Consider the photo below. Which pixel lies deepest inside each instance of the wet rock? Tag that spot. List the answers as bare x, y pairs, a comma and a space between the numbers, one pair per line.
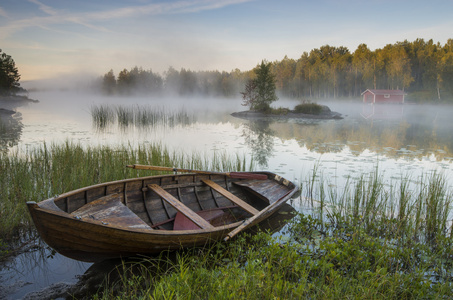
93, 279
53, 291
11, 289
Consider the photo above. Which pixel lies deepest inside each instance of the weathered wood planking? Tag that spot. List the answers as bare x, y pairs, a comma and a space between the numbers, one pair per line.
202, 223
110, 210
91, 224
265, 189
231, 197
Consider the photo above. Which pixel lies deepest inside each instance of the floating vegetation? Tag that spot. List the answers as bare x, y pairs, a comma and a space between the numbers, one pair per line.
141, 116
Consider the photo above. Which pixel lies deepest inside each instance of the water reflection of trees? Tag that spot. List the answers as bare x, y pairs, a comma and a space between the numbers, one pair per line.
259, 137
414, 136
10, 129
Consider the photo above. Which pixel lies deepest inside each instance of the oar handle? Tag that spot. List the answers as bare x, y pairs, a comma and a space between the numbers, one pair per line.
241, 175
154, 168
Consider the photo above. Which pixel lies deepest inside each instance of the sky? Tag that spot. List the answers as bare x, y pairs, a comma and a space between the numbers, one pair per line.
54, 38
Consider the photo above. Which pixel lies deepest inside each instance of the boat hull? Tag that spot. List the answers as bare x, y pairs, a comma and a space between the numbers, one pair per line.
88, 239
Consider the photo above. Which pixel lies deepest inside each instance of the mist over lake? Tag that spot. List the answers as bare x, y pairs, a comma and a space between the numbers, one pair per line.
400, 140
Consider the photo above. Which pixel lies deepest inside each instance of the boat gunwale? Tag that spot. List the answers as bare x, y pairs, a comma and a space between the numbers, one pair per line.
135, 230
98, 185
274, 177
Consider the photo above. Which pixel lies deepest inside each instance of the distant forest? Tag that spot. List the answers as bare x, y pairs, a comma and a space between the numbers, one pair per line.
423, 69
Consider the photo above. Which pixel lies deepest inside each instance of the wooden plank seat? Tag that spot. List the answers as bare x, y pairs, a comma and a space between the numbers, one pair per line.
180, 207
241, 203
264, 189
111, 211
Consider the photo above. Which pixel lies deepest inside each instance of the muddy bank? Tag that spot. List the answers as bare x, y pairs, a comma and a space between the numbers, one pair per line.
325, 114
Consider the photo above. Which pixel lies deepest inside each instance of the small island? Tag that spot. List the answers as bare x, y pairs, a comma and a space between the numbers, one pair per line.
260, 93
302, 111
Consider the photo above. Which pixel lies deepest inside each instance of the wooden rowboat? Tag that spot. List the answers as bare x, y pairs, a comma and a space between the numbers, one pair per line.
148, 215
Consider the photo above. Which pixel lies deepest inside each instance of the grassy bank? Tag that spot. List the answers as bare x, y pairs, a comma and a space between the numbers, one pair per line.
368, 241
50, 170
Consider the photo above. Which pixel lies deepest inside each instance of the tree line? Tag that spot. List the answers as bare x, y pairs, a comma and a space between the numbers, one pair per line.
184, 82
423, 69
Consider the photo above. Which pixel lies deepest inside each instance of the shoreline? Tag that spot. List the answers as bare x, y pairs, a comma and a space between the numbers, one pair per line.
10, 103
16, 99
256, 115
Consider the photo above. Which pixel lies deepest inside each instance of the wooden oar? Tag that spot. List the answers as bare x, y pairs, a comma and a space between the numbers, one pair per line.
242, 175
250, 220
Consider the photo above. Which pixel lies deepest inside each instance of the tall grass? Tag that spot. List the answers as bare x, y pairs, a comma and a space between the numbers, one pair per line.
419, 211
141, 116
45, 171
367, 240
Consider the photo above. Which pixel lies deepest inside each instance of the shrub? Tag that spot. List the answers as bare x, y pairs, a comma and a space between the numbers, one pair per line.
277, 111
308, 108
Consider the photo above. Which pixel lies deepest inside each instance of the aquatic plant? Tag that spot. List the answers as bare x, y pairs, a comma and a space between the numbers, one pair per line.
101, 115
141, 116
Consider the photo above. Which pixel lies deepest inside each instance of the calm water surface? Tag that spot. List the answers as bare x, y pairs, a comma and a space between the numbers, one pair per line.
400, 141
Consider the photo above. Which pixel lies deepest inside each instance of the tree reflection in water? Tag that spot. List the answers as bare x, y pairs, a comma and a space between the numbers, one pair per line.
10, 129
259, 137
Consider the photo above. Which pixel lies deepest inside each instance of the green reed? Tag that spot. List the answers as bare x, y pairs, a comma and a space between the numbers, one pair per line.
141, 116
49, 170
102, 116
403, 210
124, 115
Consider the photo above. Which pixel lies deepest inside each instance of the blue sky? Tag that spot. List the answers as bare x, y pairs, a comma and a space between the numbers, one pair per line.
49, 38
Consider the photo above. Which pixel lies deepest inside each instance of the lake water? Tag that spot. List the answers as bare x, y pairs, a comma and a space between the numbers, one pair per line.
400, 141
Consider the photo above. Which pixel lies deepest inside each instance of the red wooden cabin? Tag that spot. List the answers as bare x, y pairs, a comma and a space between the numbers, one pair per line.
383, 96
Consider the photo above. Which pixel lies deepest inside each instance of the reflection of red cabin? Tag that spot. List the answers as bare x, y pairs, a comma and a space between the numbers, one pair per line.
383, 96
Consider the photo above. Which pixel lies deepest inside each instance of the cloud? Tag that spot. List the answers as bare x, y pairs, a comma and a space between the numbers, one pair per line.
46, 9
86, 18
4, 14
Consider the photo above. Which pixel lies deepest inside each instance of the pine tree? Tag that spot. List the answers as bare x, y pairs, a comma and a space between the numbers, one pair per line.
9, 75
109, 82
260, 92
